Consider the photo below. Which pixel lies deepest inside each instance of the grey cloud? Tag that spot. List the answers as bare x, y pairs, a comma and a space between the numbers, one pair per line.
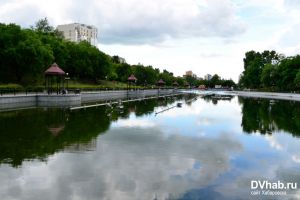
132, 163
216, 20
141, 21
292, 3
22, 15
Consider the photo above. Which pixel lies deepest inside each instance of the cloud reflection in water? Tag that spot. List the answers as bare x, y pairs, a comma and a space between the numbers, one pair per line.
126, 165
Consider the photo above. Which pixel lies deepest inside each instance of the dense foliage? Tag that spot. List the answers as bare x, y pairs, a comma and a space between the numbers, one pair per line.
217, 80
270, 70
26, 53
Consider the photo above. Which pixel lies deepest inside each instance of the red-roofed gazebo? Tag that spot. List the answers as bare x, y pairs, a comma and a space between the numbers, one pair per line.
132, 78
54, 69
175, 84
131, 81
54, 74
160, 83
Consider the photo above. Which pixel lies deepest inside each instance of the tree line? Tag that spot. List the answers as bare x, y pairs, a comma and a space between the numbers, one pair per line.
269, 70
26, 53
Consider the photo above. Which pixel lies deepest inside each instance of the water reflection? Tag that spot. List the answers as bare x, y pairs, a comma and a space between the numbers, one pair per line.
131, 163
197, 151
38, 133
267, 116
214, 98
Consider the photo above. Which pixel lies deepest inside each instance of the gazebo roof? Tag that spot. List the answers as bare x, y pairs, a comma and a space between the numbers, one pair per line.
54, 70
132, 78
160, 82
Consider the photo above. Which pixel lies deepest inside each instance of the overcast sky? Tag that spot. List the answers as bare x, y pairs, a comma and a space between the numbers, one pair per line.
205, 36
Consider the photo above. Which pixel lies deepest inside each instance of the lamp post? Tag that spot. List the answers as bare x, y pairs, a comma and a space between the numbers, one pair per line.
67, 80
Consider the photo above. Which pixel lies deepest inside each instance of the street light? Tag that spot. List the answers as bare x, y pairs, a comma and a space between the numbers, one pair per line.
67, 78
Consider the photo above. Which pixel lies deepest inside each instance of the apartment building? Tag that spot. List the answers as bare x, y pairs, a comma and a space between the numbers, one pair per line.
207, 77
77, 32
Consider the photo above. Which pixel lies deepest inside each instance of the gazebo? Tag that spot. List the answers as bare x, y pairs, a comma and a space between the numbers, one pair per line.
54, 74
175, 84
131, 81
160, 83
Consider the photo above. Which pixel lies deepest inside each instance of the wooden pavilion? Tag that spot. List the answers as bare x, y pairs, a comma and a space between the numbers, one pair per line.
54, 79
131, 81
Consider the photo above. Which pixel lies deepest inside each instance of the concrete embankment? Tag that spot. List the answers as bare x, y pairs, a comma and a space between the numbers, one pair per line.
269, 95
68, 100
36, 100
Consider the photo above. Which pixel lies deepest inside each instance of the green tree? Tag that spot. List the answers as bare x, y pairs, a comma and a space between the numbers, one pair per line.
167, 77
287, 70
123, 71
10, 36
269, 75
23, 56
297, 79
254, 63
32, 57
145, 75
215, 80
43, 25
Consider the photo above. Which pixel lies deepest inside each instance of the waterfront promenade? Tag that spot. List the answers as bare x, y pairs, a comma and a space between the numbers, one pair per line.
268, 95
70, 100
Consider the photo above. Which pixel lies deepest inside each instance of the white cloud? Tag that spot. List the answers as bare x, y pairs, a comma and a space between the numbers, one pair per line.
289, 40
296, 158
136, 21
285, 142
273, 142
206, 36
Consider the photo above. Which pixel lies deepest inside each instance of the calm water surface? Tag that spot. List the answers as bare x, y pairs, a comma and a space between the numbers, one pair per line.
210, 148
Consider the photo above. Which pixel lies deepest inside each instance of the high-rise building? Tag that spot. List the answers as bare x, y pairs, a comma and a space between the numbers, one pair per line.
76, 32
207, 77
190, 73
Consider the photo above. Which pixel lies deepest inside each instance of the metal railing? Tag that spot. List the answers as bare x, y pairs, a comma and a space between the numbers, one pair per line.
35, 91
17, 91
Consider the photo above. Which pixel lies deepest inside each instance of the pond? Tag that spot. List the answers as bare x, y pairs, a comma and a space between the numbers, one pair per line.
212, 147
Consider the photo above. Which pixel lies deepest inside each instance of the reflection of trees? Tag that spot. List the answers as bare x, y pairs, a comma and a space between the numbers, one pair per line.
267, 116
140, 108
144, 107
189, 99
38, 133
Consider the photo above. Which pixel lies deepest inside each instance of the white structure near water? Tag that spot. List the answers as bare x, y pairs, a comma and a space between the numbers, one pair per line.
77, 32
